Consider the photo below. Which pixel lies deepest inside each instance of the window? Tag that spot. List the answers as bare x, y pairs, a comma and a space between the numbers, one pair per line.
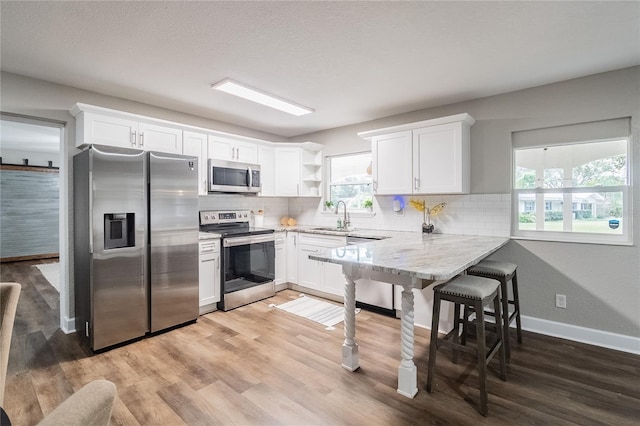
349, 178
575, 192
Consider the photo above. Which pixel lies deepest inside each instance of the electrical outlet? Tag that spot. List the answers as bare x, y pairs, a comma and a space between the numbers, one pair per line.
561, 301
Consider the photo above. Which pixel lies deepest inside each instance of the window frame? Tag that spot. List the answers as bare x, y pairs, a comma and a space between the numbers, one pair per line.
625, 238
329, 183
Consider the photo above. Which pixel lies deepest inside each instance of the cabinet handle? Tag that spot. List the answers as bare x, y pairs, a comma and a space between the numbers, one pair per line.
375, 185
416, 183
295, 243
297, 189
237, 153
218, 263
141, 138
133, 138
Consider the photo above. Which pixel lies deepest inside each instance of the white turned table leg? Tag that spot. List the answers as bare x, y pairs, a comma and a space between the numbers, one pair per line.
350, 359
407, 371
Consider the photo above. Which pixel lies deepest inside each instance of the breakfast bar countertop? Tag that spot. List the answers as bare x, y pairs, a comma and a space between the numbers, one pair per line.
413, 261
433, 257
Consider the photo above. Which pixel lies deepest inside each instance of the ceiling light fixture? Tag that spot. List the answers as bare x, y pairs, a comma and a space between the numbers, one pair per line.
238, 89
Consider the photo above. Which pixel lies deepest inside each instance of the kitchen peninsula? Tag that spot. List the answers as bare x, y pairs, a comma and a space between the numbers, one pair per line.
412, 261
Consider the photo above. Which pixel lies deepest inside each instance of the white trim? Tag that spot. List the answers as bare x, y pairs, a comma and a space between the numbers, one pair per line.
591, 336
605, 339
68, 325
464, 117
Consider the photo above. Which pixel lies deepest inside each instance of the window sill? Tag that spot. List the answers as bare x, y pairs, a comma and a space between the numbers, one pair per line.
357, 213
569, 240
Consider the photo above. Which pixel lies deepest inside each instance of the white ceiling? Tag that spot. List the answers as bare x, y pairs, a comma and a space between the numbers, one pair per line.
350, 61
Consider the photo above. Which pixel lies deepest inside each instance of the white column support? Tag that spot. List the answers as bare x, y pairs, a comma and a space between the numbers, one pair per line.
407, 371
350, 359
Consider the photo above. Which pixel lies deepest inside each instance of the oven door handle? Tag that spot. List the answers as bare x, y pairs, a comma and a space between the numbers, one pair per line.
250, 239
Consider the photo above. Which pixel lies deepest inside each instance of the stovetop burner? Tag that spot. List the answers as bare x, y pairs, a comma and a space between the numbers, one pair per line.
229, 223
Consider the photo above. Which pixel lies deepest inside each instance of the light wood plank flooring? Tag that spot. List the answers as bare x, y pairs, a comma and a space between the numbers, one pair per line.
257, 365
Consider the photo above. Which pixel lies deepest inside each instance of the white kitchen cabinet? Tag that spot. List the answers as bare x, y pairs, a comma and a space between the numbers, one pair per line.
228, 149
310, 172
209, 275
287, 178
281, 258
267, 161
316, 275
392, 163
153, 137
427, 157
298, 170
196, 144
292, 257
441, 159
93, 128
104, 130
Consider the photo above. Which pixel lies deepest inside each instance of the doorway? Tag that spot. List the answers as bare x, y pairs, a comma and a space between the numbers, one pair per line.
33, 205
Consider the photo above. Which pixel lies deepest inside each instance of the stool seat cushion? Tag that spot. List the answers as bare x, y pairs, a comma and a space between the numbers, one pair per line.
493, 267
476, 288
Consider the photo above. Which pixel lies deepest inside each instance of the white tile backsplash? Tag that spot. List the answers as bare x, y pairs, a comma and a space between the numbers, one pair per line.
474, 214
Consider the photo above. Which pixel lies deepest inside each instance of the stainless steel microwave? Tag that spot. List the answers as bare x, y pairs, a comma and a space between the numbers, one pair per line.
231, 176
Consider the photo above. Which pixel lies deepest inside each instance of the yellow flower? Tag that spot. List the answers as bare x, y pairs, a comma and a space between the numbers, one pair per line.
421, 206
418, 205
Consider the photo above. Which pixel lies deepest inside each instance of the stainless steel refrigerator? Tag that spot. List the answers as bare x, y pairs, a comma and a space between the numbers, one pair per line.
135, 243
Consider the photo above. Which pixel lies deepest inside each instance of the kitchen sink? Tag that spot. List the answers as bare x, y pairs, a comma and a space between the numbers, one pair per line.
333, 229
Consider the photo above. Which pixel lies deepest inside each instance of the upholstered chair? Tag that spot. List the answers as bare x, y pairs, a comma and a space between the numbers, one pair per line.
90, 406
9, 295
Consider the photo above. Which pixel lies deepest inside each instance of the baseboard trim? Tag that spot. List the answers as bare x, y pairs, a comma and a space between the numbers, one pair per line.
68, 325
619, 342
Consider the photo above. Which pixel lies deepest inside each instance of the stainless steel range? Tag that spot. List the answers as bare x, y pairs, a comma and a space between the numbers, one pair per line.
247, 258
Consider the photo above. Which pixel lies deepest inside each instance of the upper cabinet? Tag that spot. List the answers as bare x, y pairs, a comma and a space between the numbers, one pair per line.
97, 126
427, 157
299, 170
267, 161
221, 148
287, 169
195, 143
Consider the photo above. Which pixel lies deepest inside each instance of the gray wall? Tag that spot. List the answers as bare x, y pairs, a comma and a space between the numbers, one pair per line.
602, 282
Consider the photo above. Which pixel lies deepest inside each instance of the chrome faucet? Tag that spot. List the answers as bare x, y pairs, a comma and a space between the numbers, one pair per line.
345, 222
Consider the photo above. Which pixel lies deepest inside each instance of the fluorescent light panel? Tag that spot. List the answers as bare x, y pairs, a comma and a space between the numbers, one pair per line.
249, 93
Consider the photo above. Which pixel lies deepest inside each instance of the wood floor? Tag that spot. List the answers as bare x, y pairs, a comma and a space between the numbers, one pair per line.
258, 365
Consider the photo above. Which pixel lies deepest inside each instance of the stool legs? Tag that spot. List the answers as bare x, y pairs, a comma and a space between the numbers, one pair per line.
516, 302
504, 297
483, 358
433, 343
482, 361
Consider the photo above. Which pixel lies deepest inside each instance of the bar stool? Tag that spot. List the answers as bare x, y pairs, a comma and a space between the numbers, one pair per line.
503, 272
476, 292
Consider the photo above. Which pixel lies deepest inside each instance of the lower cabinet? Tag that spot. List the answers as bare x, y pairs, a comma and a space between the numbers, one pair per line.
209, 275
316, 275
292, 257
281, 258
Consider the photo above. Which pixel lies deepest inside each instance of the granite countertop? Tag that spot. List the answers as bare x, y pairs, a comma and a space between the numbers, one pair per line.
351, 232
435, 257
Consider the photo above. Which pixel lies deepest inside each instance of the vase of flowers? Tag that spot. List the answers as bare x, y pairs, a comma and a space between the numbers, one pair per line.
427, 212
